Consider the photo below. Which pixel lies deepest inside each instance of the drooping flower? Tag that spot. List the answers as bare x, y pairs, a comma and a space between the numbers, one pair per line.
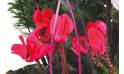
64, 27
96, 32
31, 49
82, 41
42, 20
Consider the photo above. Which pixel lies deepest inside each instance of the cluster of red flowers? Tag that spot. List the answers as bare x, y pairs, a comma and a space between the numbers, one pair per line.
38, 43
95, 37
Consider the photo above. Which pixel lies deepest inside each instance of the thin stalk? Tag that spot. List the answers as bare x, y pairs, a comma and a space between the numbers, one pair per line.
52, 39
59, 60
64, 63
77, 36
21, 31
87, 41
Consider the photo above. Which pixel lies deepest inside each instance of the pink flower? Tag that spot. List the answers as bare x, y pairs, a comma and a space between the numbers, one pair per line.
42, 20
96, 32
31, 50
82, 42
64, 27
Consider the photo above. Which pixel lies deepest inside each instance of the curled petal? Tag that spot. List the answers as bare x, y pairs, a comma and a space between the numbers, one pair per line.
97, 37
48, 14
64, 27
66, 20
38, 18
43, 50
32, 39
19, 50
22, 39
101, 26
82, 42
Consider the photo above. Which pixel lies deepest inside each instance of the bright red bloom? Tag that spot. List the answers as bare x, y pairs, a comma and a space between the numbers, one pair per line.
43, 35
82, 41
96, 32
42, 18
64, 27
31, 50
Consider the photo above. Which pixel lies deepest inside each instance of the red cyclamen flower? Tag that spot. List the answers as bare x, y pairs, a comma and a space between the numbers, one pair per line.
64, 27
82, 41
42, 20
96, 32
31, 50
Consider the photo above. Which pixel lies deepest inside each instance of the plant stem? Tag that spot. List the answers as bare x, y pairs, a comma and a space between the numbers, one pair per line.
52, 39
64, 64
77, 36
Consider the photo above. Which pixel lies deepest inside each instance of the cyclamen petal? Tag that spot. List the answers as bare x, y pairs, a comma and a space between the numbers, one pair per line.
82, 42
42, 18
48, 14
38, 18
32, 49
44, 50
43, 23
97, 37
22, 39
19, 50
33, 39
101, 26
64, 27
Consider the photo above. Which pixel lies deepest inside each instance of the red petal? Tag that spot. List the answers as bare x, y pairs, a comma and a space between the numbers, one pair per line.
44, 50
68, 23
101, 27
96, 40
32, 39
82, 42
52, 26
38, 18
48, 14
22, 39
19, 50
64, 27
90, 24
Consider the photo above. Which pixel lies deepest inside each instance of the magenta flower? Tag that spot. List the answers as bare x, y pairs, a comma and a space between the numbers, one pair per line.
42, 18
82, 42
31, 50
96, 32
64, 27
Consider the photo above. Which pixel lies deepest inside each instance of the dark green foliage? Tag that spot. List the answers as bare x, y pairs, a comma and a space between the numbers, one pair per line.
24, 9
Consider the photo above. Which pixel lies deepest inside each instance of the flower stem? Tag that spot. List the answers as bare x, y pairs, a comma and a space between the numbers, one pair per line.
77, 36
64, 64
52, 39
